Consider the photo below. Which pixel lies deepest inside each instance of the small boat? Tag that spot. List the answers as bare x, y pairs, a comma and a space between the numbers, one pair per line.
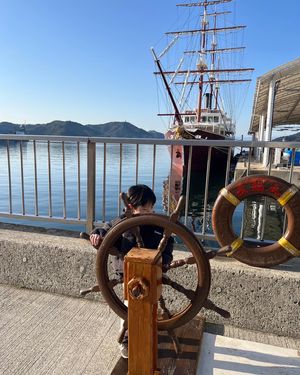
204, 85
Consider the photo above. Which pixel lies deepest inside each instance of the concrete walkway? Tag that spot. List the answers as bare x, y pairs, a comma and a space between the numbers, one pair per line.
43, 333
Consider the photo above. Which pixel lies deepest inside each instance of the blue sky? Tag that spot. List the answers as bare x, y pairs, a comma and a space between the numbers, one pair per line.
89, 61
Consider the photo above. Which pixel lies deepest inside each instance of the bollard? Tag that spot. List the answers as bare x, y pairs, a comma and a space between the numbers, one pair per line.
142, 278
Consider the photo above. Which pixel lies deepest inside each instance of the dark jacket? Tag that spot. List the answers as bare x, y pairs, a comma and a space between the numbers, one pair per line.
150, 234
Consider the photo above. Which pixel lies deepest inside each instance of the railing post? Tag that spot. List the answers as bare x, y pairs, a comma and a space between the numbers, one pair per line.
91, 182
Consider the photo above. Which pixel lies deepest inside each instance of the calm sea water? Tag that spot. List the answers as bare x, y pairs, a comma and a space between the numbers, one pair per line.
251, 211
128, 174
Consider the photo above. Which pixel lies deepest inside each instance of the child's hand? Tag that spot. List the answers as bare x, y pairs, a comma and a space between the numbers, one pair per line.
96, 240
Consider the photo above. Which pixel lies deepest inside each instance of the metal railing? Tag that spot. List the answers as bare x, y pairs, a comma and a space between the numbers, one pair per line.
85, 168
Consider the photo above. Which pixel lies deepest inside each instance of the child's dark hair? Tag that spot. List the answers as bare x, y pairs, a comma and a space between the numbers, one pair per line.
139, 195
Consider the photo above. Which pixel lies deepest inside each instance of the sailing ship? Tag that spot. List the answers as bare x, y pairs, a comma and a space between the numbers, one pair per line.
196, 83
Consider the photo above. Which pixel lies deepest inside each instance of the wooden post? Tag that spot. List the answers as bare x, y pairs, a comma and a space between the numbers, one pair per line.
143, 277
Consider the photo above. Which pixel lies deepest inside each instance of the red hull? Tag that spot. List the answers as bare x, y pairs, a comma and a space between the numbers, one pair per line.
199, 160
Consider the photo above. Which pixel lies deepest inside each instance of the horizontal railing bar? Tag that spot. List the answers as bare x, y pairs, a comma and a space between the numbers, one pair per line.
52, 138
150, 141
99, 224
211, 237
42, 218
207, 237
200, 236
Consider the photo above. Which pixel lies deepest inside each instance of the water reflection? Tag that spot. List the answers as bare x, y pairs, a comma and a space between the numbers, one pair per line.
263, 218
196, 218
73, 175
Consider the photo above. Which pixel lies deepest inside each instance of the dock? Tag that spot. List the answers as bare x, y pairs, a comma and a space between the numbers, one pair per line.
242, 169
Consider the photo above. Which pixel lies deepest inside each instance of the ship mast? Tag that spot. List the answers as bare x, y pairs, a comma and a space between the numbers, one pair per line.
201, 63
213, 58
207, 70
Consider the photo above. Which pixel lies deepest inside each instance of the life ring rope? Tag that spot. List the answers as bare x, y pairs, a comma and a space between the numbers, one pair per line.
230, 197
287, 195
236, 244
289, 247
283, 242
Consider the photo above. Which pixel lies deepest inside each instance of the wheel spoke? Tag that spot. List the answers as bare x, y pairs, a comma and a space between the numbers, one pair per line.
167, 315
114, 282
175, 340
94, 288
179, 263
163, 242
174, 216
167, 233
138, 237
166, 312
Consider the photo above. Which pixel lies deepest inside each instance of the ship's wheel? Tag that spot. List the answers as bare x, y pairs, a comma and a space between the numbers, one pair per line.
183, 295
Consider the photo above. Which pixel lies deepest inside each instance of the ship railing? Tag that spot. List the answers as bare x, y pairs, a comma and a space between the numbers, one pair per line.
88, 160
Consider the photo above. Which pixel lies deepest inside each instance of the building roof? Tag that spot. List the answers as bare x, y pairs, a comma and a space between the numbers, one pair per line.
287, 97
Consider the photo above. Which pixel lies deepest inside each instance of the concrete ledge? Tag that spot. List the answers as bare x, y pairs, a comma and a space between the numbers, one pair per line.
48, 260
266, 300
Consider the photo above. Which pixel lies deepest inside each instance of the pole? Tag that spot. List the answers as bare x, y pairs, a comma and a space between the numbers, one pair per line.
269, 121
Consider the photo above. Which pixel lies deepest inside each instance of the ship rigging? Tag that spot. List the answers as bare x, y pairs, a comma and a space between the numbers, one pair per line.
201, 71
194, 86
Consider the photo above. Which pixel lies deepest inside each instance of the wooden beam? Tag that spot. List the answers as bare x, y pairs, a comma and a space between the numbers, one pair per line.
213, 30
204, 3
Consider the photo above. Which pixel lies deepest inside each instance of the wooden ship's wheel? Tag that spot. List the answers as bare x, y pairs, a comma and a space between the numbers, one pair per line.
178, 303
180, 289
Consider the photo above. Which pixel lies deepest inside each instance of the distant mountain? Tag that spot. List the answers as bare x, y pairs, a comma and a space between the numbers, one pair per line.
122, 129
70, 128
8, 128
289, 138
156, 134
58, 128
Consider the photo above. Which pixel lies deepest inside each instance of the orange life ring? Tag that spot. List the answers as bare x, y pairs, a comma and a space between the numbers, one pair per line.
287, 195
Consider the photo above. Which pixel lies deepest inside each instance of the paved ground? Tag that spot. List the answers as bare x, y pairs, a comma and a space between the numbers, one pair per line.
43, 333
